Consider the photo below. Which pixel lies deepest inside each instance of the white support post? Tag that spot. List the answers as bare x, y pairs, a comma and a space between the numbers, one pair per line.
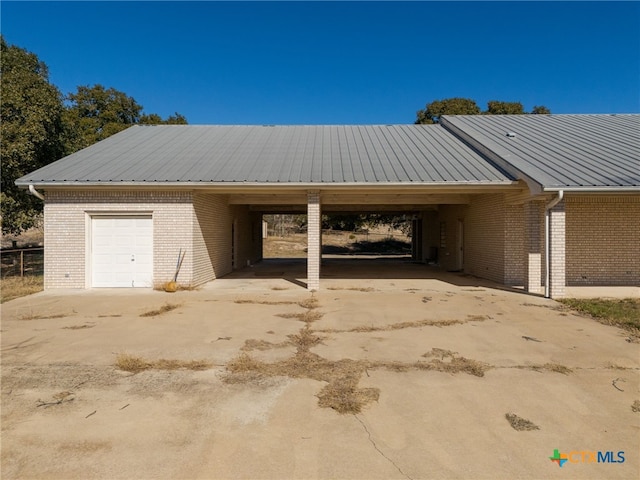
314, 242
557, 252
533, 260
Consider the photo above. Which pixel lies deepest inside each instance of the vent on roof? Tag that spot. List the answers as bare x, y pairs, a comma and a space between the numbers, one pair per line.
511, 134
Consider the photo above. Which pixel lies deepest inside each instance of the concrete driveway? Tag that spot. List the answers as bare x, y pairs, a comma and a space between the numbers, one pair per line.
433, 365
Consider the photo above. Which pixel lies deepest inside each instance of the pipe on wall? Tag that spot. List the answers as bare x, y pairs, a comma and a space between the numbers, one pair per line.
35, 193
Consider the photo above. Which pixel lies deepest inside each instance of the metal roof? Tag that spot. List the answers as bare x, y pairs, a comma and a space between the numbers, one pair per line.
197, 154
581, 152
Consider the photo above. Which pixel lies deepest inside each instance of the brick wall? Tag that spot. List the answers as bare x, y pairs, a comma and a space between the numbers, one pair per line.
248, 231
603, 240
211, 237
314, 232
485, 237
557, 250
533, 214
514, 245
67, 239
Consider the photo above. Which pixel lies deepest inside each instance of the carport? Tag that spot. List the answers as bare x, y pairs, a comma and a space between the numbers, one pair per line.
425, 204
506, 198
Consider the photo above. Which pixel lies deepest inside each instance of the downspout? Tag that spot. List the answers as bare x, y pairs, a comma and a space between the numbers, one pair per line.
35, 193
547, 241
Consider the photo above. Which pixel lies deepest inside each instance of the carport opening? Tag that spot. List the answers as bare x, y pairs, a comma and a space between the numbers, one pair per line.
352, 236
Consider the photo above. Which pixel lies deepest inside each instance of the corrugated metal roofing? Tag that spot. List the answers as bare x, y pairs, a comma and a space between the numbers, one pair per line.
562, 151
413, 154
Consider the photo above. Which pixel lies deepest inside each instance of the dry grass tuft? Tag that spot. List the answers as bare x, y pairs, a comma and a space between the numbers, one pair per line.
344, 397
460, 365
309, 303
167, 307
78, 327
244, 363
16, 287
520, 424
279, 288
477, 318
440, 352
615, 366
264, 302
304, 339
553, 367
36, 316
396, 326
194, 365
309, 316
635, 406
130, 363
453, 365
353, 289
262, 345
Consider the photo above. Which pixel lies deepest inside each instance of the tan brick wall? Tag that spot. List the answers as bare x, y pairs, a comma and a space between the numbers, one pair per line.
514, 245
199, 224
603, 240
67, 224
485, 237
533, 213
216, 224
494, 238
248, 229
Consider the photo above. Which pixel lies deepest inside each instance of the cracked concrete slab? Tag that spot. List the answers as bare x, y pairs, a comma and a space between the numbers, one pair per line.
426, 423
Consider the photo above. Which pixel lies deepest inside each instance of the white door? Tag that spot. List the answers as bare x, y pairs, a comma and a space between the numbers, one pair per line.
122, 251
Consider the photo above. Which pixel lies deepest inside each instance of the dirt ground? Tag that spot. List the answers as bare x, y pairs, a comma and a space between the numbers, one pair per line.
430, 364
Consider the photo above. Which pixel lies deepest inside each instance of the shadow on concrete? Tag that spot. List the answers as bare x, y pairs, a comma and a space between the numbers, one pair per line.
361, 267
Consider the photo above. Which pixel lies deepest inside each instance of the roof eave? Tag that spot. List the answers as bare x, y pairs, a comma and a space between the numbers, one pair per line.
274, 185
604, 189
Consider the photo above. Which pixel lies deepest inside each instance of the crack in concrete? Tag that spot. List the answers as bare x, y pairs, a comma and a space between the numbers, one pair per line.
380, 451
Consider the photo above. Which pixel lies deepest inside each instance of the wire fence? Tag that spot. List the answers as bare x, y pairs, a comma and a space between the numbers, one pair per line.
22, 262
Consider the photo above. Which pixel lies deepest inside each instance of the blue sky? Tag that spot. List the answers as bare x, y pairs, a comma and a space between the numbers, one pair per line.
337, 62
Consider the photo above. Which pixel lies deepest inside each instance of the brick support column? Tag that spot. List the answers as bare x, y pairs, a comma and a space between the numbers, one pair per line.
557, 251
314, 243
533, 247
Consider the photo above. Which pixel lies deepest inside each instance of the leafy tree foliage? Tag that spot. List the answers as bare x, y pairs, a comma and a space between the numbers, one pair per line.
155, 119
32, 130
495, 107
448, 106
39, 125
540, 110
465, 106
363, 221
95, 113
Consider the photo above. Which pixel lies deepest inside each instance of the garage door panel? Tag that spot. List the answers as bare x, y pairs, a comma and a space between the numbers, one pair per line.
122, 251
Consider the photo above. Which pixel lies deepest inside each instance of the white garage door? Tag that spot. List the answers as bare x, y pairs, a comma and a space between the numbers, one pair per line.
122, 251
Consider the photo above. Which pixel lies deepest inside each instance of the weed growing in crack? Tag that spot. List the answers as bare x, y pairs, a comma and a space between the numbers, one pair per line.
520, 424
309, 316
264, 302
398, 326
133, 364
167, 307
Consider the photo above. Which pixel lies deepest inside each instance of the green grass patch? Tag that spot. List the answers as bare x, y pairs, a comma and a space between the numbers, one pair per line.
623, 313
